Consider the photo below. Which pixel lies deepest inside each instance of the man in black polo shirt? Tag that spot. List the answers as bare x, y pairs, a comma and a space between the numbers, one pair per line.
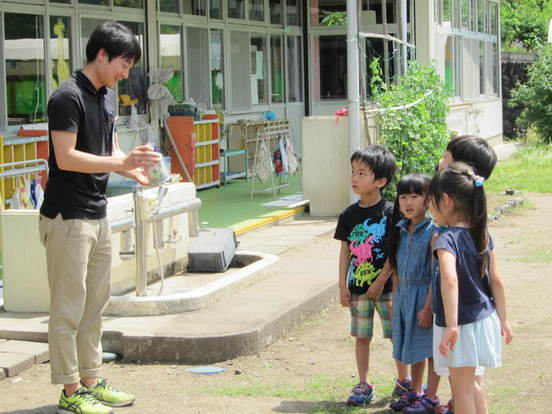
73, 225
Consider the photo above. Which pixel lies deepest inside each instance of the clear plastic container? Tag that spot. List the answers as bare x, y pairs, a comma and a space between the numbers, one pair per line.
159, 173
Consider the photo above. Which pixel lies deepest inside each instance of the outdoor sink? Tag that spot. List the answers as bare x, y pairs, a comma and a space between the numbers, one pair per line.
192, 291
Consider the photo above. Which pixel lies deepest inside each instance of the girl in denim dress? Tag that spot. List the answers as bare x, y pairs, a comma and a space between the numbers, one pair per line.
410, 255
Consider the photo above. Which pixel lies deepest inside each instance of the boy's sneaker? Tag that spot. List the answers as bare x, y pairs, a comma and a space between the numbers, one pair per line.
361, 395
82, 402
423, 406
108, 395
401, 387
404, 401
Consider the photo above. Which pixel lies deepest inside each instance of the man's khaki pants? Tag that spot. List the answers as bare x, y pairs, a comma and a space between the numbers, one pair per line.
78, 254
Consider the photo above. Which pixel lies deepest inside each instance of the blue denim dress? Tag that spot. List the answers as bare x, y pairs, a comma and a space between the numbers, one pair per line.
411, 342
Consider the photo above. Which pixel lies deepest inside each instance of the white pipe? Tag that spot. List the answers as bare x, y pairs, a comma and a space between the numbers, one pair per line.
353, 88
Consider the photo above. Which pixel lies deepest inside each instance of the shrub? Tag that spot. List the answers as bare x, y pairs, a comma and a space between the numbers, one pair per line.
535, 96
418, 135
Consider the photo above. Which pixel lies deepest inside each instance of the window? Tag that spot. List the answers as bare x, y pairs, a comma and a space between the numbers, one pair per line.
293, 12
452, 75
256, 10
194, 7
61, 1
25, 71
87, 27
295, 69
276, 11
258, 69
481, 68
322, 10
496, 66
217, 68
390, 10
60, 49
240, 72
332, 68
437, 12
170, 6
215, 10
197, 56
481, 16
493, 19
465, 14
98, 2
236, 9
170, 50
136, 4
277, 68
447, 11
131, 91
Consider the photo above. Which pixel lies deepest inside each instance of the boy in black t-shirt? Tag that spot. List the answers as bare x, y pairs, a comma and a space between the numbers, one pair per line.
364, 282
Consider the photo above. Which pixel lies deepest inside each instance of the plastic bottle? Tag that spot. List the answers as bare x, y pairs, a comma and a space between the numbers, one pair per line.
159, 173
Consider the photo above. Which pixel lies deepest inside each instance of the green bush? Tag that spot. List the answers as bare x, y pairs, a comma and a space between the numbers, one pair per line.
418, 135
535, 96
524, 24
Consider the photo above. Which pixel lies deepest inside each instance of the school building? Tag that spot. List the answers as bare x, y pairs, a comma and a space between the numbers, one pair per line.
247, 57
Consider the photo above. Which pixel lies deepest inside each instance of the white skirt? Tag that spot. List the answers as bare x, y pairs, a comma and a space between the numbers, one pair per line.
479, 345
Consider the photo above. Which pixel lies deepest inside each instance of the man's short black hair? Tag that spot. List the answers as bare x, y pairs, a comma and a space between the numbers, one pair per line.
474, 151
379, 159
116, 39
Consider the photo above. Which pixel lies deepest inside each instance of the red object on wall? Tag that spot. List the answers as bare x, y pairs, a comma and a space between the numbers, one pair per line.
182, 130
42, 148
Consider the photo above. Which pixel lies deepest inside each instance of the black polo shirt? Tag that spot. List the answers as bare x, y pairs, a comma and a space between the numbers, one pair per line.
77, 106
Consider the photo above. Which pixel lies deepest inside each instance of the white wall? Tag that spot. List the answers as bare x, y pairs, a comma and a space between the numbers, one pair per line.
483, 118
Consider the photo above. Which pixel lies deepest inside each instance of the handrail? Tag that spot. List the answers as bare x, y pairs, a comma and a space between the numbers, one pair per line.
14, 172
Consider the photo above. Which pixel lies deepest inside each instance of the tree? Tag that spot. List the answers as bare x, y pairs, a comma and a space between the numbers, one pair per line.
535, 96
524, 23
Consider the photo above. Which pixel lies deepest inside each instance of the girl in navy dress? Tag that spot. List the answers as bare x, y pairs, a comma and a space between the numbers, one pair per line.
469, 298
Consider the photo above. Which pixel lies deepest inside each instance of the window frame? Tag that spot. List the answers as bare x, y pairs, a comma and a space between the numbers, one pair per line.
381, 28
481, 34
76, 12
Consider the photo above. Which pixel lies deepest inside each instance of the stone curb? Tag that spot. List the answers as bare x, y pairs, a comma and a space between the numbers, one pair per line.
506, 207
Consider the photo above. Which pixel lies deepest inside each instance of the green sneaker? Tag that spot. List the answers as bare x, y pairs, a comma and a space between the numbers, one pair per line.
108, 395
82, 402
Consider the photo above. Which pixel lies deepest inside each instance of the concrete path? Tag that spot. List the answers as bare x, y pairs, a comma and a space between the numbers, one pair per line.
239, 324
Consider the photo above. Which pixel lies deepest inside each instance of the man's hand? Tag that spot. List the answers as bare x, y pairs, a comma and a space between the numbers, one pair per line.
141, 157
139, 175
345, 297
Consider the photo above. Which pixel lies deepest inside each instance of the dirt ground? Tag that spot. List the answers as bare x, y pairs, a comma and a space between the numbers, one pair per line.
311, 369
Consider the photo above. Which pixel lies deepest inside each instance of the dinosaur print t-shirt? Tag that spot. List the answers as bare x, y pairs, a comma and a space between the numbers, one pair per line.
366, 230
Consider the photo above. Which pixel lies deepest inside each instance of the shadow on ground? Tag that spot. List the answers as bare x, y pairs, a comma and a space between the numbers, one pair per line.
46, 409
329, 407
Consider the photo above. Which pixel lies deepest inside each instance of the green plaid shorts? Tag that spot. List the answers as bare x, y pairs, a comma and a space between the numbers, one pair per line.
362, 315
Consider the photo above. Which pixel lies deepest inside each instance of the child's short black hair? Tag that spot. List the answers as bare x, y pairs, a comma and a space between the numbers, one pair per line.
413, 184
475, 152
379, 159
116, 39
